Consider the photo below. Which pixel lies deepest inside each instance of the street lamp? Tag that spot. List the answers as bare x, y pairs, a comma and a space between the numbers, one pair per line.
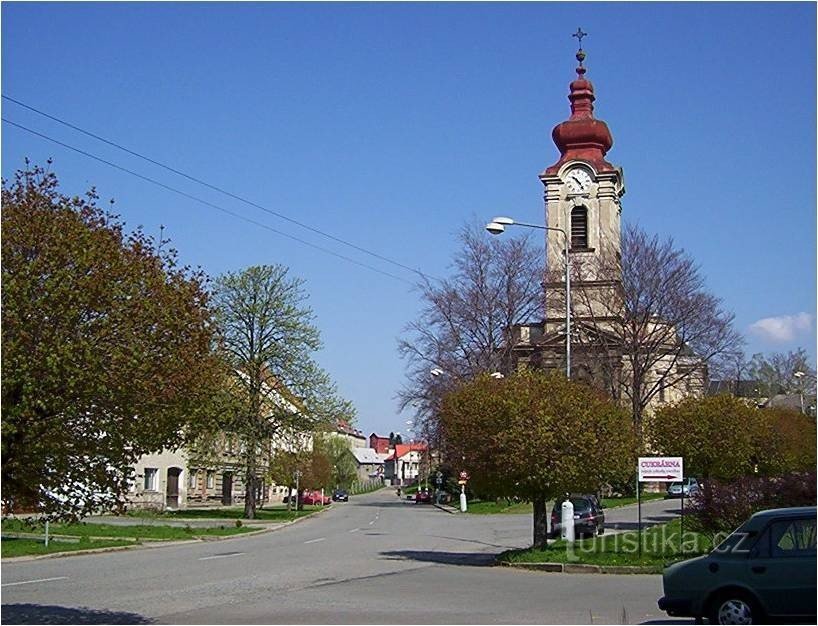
799, 375
497, 226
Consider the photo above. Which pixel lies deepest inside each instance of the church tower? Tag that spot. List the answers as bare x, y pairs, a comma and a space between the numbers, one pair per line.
582, 205
582, 199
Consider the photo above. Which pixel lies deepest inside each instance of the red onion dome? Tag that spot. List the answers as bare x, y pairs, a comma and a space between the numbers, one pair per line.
582, 137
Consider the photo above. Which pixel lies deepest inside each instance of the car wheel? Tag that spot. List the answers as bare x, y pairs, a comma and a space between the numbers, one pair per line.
600, 530
734, 608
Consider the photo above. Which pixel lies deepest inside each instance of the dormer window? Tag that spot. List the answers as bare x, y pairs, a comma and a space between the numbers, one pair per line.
579, 228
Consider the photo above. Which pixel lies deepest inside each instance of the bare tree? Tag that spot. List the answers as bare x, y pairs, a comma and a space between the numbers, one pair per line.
658, 329
776, 372
465, 325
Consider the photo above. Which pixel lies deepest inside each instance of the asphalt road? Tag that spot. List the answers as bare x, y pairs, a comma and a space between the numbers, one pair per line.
375, 559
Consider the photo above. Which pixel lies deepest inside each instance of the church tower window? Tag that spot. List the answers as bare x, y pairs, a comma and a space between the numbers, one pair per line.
579, 228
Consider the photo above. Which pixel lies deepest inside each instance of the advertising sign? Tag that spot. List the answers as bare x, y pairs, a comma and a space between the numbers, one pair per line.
660, 469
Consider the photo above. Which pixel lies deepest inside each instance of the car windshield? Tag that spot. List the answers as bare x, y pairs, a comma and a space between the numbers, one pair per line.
580, 505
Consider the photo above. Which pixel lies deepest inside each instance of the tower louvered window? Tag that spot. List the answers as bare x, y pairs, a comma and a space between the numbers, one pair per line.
579, 227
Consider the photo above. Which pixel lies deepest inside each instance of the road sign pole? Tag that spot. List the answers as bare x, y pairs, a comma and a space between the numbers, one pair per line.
682, 520
639, 516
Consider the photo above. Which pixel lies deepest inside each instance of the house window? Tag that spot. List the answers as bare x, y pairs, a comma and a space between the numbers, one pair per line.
579, 227
192, 478
151, 476
211, 480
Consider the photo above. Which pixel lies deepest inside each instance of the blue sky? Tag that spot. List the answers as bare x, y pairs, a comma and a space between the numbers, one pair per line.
390, 125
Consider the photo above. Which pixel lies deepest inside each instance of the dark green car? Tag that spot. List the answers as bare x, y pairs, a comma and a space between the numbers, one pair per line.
764, 570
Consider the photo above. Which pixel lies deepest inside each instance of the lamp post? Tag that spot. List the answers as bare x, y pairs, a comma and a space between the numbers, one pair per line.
799, 375
497, 226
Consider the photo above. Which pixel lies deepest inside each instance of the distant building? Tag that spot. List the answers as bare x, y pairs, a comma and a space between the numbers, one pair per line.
751, 390
369, 463
355, 438
380, 444
407, 463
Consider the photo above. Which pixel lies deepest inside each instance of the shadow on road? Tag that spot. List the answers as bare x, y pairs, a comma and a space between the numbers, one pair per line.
647, 521
449, 558
44, 614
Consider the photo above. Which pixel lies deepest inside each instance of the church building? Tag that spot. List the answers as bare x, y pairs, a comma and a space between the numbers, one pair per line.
583, 205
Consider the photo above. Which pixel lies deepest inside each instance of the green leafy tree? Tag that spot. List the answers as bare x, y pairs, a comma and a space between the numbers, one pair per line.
716, 435
344, 468
318, 469
536, 435
107, 349
284, 466
786, 441
268, 335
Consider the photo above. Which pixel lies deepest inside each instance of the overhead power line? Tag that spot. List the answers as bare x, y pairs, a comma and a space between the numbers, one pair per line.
205, 202
216, 188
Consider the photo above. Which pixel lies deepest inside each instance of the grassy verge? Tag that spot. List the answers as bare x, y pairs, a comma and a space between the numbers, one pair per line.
612, 503
10, 547
273, 514
136, 531
490, 507
660, 546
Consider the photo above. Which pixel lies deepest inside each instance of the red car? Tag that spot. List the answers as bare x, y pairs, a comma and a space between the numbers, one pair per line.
423, 497
314, 497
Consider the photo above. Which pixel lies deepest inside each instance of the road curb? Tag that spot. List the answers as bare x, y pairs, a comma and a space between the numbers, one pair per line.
448, 509
582, 568
160, 543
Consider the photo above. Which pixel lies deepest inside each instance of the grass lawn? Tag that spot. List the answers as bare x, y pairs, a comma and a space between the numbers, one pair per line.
136, 531
490, 507
612, 503
660, 546
273, 514
25, 547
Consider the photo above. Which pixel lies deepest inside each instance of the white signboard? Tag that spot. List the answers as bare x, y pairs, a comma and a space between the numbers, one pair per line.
660, 469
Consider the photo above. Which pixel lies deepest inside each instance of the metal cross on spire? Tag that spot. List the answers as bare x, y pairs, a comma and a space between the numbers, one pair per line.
580, 53
579, 35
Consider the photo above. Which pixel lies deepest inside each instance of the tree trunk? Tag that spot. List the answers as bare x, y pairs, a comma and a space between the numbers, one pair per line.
250, 489
540, 523
289, 499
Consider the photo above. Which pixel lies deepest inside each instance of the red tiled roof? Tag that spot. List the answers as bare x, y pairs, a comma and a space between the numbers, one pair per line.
402, 449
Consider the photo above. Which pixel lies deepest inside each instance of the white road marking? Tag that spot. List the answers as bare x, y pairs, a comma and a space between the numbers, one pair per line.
39, 580
220, 556
316, 540
372, 522
354, 530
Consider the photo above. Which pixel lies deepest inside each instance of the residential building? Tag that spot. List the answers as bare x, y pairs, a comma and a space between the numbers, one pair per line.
213, 473
354, 437
381, 445
370, 464
407, 463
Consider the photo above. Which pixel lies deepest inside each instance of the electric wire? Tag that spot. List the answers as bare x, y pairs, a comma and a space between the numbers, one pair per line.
215, 187
204, 202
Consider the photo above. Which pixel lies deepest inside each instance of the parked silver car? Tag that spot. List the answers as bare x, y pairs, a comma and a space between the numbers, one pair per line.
689, 487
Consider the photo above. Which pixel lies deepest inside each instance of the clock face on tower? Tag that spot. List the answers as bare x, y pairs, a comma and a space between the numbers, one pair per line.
578, 181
